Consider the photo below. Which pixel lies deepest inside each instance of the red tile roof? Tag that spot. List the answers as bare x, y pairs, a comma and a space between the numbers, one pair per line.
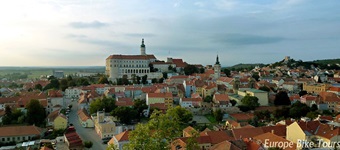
124, 136
137, 57
217, 136
242, 116
159, 95
193, 99
83, 115
224, 145
221, 97
19, 131
273, 138
55, 93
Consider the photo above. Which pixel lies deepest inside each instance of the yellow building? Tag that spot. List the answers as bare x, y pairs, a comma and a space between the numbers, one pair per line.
57, 120
60, 122
104, 125
166, 98
209, 90
316, 88
261, 95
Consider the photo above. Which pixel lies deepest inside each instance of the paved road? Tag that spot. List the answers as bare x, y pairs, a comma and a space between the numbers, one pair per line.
86, 134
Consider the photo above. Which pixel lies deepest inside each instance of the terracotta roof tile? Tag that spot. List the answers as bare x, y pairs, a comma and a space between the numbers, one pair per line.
83, 115
19, 131
140, 57
221, 97
273, 138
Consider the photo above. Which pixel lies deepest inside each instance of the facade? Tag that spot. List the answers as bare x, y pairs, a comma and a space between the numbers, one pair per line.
316, 88
104, 125
165, 98
261, 95
120, 140
85, 119
117, 66
72, 139
73, 93
191, 102
19, 133
217, 69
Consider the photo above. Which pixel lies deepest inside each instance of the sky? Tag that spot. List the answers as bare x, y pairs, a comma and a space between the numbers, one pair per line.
86, 32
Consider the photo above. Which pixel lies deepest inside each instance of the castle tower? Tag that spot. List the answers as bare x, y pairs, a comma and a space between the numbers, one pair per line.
217, 69
142, 48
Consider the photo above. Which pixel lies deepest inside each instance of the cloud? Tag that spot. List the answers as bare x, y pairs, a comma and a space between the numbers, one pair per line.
246, 39
93, 24
76, 36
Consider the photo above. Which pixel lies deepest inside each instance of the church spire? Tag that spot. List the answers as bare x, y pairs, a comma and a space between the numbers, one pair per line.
217, 62
142, 43
142, 48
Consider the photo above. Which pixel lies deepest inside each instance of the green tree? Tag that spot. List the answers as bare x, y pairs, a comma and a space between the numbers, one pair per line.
35, 112
233, 102
282, 98
103, 80
250, 101
69, 78
38, 87
192, 143
102, 103
218, 114
125, 114
298, 110
154, 80
7, 118
111, 147
140, 105
144, 79
256, 76
226, 71
158, 133
201, 70
312, 115
208, 99
282, 113
54, 84
184, 115
63, 84
190, 69
165, 75
138, 79
88, 144
314, 107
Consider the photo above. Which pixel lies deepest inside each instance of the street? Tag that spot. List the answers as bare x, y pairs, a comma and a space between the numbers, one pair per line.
86, 134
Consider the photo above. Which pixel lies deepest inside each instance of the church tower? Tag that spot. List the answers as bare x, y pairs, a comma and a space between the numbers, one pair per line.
142, 48
217, 69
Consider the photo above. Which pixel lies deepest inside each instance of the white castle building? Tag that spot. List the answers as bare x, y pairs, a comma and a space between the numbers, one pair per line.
119, 65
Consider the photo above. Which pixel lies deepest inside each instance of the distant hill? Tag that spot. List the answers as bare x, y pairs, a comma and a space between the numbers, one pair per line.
244, 66
326, 61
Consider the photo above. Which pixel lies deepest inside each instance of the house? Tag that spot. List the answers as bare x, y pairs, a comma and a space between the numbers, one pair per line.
189, 87
20, 133
191, 102
330, 98
72, 93
209, 89
72, 139
298, 132
316, 87
166, 98
270, 140
120, 140
261, 95
55, 98
85, 119
189, 131
225, 145
232, 124
57, 120
104, 125
221, 100
124, 101
335, 90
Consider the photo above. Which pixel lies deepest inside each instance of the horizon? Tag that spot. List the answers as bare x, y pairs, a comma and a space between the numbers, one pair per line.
84, 33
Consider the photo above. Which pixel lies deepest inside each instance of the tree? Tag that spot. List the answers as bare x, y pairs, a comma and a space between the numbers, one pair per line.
88, 144
170, 68
233, 102
312, 115
190, 69
54, 84
218, 115
144, 79
160, 130
255, 121
256, 76
226, 71
165, 75
69, 78
184, 115
283, 112
7, 119
250, 101
103, 80
35, 112
63, 84
282, 98
38, 87
140, 106
105, 103
138, 79
111, 147
208, 99
201, 70
154, 80
298, 110
125, 114
301, 93
314, 107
